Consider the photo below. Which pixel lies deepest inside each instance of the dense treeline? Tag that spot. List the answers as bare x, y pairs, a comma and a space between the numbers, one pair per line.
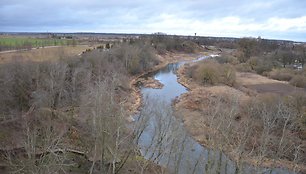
286, 54
276, 61
163, 43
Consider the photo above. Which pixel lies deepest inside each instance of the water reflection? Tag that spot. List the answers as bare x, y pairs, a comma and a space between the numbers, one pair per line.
171, 88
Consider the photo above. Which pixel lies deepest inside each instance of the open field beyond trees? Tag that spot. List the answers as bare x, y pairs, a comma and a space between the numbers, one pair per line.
23, 42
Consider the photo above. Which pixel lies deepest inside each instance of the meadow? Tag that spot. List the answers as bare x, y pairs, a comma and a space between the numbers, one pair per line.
16, 43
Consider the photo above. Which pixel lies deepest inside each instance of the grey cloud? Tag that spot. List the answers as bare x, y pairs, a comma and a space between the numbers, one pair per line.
138, 15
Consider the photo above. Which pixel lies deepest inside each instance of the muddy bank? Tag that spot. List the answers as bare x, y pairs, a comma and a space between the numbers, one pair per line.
149, 82
190, 106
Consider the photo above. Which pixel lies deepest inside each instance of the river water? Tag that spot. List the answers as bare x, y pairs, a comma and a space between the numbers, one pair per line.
164, 140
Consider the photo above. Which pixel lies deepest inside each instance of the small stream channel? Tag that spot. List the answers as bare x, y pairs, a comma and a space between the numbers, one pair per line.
165, 141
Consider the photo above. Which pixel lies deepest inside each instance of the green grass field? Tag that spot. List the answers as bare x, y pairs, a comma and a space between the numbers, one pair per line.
9, 43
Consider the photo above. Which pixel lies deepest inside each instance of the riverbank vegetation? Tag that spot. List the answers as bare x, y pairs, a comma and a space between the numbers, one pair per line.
163, 43
259, 116
211, 72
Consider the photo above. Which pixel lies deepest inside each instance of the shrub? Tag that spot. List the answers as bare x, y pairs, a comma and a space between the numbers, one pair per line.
275, 120
208, 73
298, 101
281, 74
229, 75
303, 71
260, 64
262, 68
303, 125
226, 59
160, 48
298, 81
211, 72
190, 47
243, 67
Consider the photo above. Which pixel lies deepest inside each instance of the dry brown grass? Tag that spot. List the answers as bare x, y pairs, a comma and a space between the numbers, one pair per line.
281, 74
191, 107
298, 81
245, 78
261, 84
42, 54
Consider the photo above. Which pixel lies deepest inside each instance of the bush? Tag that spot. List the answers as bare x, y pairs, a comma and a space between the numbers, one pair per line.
190, 47
275, 120
229, 75
298, 81
211, 72
303, 125
263, 68
226, 59
243, 67
208, 73
260, 65
303, 71
298, 101
160, 48
281, 74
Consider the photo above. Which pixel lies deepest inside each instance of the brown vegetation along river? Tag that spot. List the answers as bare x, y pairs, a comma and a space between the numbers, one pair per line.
219, 116
165, 141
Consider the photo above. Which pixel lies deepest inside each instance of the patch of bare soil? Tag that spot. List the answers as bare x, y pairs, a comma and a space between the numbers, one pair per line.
189, 108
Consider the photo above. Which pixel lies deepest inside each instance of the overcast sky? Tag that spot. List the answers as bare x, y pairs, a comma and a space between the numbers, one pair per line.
276, 19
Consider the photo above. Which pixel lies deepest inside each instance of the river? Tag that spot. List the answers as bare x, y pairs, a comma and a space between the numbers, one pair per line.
164, 140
